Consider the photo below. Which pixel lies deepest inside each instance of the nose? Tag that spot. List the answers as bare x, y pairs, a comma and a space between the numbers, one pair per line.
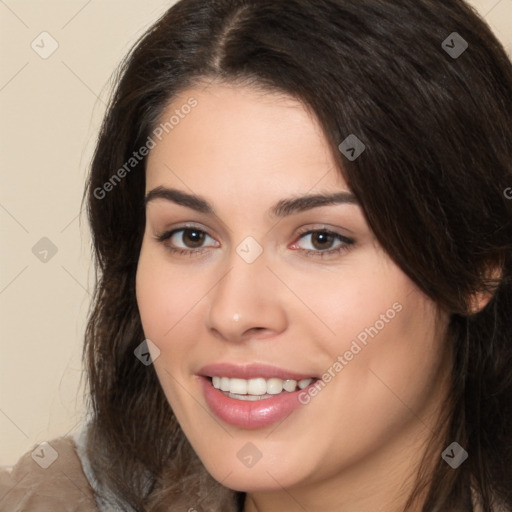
247, 302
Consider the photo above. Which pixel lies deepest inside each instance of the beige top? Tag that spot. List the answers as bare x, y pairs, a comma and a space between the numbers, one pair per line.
29, 486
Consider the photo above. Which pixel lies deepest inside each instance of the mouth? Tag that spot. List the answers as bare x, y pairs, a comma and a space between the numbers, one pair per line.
254, 396
258, 388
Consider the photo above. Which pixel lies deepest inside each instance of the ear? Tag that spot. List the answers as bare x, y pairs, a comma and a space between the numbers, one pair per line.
480, 299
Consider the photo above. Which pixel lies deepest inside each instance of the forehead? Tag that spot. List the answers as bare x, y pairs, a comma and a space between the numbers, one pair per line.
236, 137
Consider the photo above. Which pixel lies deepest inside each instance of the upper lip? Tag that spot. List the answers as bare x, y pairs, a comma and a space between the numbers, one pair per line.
250, 371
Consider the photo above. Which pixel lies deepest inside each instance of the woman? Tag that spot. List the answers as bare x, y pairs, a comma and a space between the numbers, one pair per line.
304, 243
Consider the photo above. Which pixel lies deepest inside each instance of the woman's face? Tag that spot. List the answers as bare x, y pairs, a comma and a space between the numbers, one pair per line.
268, 290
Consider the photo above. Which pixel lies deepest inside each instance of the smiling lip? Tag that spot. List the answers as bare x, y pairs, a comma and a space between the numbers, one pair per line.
250, 414
251, 371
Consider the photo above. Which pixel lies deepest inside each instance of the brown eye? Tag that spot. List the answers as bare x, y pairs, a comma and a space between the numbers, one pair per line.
186, 240
192, 238
322, 240
322, 243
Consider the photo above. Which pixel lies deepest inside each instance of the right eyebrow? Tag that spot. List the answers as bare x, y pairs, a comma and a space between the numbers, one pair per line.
182, 198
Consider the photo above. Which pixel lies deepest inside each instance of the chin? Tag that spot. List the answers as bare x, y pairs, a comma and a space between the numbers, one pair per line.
261, 477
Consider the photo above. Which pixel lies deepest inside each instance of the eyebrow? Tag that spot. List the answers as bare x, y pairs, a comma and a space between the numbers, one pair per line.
282, 208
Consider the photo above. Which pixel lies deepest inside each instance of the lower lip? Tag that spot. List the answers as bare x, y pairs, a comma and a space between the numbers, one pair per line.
250, 414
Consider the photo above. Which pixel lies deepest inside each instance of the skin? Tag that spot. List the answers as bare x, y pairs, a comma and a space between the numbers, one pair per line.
356, 445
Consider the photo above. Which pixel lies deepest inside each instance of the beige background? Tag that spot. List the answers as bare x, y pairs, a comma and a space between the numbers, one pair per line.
50, 110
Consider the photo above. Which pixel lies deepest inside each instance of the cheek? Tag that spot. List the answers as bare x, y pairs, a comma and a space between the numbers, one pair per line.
385, 344
163, 297
391, 364
152, 298
361, 303
161, 308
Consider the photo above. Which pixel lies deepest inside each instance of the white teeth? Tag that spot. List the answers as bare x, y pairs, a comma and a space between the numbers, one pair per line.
238, 386
248, 398
224, 383
304, 383
256, 386
289, 385
274, 386
254, 389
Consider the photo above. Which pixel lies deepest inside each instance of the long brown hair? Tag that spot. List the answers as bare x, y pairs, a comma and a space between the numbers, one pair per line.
432, 182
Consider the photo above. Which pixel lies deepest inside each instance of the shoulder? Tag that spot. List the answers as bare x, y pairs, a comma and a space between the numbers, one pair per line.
47, 477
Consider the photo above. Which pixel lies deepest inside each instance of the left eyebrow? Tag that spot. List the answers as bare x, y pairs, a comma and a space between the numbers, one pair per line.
299, 204
282, 208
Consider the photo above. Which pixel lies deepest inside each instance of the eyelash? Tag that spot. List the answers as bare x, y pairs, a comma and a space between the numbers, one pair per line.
340, 249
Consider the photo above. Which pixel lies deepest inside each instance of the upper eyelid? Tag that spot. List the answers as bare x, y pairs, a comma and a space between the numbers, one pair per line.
302, 232
224, 228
